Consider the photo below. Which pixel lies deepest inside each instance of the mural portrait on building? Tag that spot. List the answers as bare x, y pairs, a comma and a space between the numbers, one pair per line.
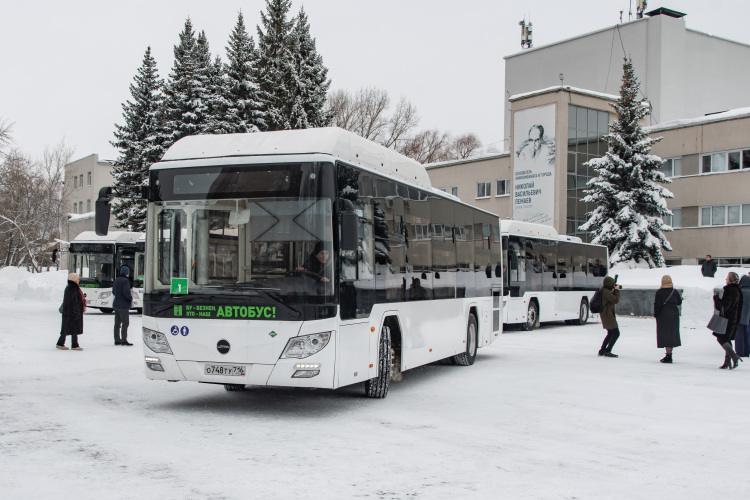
534, 165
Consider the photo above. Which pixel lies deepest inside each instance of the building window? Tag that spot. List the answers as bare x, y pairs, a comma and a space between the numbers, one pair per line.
80, 182
454, 190
503, 187
443, 190
674, 220
672, 167
75, 182
88, 179
88, 206
484, 190
725, 161
586, 129
80, 207
725, 215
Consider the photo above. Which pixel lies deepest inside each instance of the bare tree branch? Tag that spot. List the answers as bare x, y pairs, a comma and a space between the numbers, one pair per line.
465, 146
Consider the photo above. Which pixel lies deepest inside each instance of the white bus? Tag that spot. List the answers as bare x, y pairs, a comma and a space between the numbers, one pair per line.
97, 260
309, 258
549, 277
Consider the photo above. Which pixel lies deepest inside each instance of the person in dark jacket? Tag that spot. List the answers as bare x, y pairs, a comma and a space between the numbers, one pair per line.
730, 305
122, 304
708, 269
319, 262
667, 314
72, 314
610, 297
742, 340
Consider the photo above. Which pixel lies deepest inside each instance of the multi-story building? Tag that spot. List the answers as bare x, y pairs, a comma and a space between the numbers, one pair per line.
554, 130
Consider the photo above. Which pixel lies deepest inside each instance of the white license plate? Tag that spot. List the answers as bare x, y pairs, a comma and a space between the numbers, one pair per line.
232, 371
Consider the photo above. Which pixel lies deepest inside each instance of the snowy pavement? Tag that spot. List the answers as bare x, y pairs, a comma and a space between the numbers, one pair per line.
538, 416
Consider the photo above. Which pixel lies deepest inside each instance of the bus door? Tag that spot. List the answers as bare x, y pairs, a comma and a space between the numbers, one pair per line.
126, 257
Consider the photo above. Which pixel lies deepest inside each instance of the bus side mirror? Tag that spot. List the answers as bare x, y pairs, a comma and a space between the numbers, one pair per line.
103, 207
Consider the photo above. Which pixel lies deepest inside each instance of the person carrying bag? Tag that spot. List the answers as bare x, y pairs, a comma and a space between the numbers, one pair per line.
667, 313
724, 325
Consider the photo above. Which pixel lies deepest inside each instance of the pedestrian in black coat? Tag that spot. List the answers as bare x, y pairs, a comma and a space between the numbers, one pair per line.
708, 269
122, 304
667, 314
742, 340
72, 314
730, 304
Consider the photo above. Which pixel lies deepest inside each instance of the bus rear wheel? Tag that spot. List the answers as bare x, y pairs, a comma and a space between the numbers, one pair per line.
467, 358
583, 313
234, 387
378, 387
532, 317
106, 310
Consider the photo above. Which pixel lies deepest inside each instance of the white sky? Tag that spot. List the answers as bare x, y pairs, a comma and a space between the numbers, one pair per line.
65, 67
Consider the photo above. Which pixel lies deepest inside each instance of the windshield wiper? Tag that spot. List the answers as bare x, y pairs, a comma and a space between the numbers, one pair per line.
263, 292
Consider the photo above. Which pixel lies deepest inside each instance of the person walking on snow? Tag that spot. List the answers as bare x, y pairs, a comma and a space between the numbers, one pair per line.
708, 269
730, 304
122, 304
72, 308
610, 297
742, 340
667, 314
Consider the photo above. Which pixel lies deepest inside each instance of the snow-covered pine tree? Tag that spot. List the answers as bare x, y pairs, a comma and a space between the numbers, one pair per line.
245, 107
277, 74
626, 191
313, 75
220, 120
185, 111
138, 141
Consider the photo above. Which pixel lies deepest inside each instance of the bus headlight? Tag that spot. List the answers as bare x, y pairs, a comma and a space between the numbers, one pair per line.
156, 341
104, 295
305, 346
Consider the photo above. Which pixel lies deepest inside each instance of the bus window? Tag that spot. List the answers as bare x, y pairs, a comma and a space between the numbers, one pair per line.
172, 244
465, 280
565, 252
534, 265
506, 274
517, 266
443, 248
597, 266
579, 267
548, 257
215, 247
419, 247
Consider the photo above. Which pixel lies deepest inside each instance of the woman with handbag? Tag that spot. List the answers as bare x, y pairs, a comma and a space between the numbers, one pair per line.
741, 341
730, 307
72, 310
667, 314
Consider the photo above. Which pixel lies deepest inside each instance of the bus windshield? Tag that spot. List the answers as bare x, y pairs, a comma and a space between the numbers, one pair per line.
276, 244
93, 267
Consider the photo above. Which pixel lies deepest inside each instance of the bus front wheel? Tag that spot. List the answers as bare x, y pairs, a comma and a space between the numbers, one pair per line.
532, 317
378, 387
467, 358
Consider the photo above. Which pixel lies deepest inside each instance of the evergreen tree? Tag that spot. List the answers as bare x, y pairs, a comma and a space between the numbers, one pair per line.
630, 202
139, 142
277, 74
244, 105
313, 76
185, 110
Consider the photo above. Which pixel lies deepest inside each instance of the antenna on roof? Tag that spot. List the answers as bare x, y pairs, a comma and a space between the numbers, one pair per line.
526, 33
640, 8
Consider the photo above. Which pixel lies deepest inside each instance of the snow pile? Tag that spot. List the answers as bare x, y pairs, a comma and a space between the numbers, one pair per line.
697, 306
17, 283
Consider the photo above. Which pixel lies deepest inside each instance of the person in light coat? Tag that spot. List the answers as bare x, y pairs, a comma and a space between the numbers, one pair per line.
742, 340
610, 298
667, 313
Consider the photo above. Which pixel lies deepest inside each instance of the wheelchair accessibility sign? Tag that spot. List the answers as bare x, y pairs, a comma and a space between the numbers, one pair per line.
184, 331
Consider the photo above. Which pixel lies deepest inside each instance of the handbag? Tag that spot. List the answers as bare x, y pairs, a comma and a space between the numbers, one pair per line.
718, 323
61, 305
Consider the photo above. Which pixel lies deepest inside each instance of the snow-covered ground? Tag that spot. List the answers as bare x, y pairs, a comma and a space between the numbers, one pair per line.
538, 416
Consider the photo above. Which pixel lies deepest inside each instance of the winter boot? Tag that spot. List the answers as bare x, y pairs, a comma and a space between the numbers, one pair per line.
731, 354
726, 362
666, 359
608, 354
61, 347
602, 351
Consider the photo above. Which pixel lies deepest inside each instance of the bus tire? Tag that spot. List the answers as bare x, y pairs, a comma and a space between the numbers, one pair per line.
106, 310
532, 317
378, 387
139, 310
468, 357
234, 387
583, 313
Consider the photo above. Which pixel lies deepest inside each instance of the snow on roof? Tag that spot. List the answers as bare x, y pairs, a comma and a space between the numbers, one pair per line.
732, 114
480, 157
573, 90
77, 217
332, 141
112, 237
